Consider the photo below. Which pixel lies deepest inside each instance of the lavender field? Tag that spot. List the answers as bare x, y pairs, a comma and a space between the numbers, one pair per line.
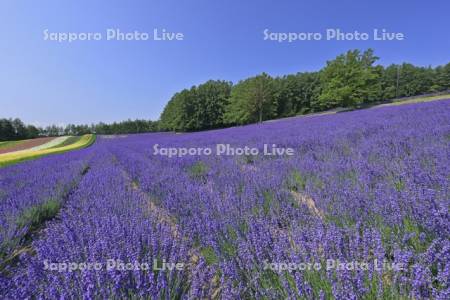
360, 211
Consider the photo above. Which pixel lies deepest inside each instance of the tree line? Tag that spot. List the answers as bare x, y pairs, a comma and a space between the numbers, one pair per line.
15, 129
350, 80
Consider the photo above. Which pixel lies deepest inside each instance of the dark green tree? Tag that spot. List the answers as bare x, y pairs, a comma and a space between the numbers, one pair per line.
441, 80
295, 94
198, 108
349, 80
252, 100
211, 99
7, 132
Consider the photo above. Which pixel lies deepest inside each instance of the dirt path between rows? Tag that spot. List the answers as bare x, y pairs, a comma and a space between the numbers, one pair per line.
167, 219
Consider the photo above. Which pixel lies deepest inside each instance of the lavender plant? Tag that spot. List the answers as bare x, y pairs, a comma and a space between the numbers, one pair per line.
368, 187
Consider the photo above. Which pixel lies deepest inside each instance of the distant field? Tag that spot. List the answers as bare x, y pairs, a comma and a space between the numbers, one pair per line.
53, 146
69, 141
55, 142
8, 144
11, 146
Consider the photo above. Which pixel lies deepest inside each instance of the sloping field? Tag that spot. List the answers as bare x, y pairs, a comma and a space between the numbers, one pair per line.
8, 144
12, 146
70, 140
416, 100
56, 142
360, 211
53, 146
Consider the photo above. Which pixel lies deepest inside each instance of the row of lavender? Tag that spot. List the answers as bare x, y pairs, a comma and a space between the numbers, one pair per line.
364, 186
31, 185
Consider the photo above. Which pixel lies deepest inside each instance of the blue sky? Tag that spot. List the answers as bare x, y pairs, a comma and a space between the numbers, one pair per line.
45, 82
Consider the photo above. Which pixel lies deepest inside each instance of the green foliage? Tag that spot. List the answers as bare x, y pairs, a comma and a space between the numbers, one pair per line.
201, 107
372, 287
37, 215
399, 185
441, 80
341, 221
228, 249
297, 94
209, 255
319, 283
250, 159
211, 100
349, 80
124, 127
414, 242
252, 100
8, 144
11, 130
296, 182
171, 116
270, 280
408, 80
269, 203
390, 291
414, 80
198, 170
243, 227
408, 227
231, 233
268, 200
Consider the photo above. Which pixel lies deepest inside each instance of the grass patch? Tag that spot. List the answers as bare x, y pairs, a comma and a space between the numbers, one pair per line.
341, 221
389, 290
198, 171
418, 239
243, 227
270, 280
35, 216
268, 199
8, 144
209, 255
399, 185
31, 220
227, 247
319, 283
268, 204
296, 182
13, 158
